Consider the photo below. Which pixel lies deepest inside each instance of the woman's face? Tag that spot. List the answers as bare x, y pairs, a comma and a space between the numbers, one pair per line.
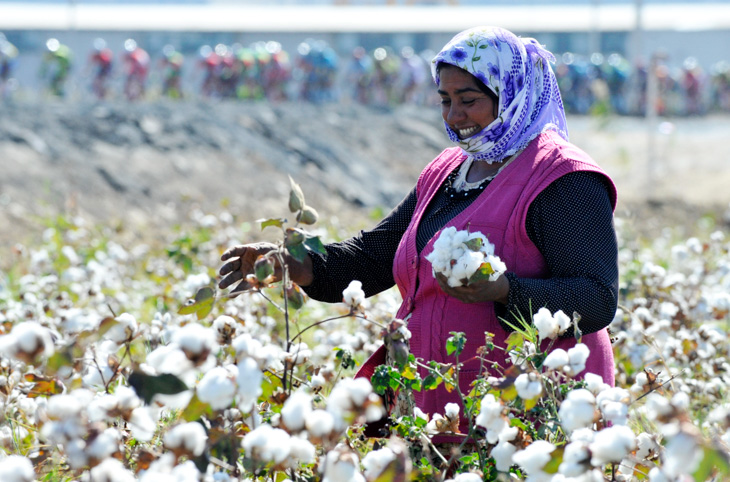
464, 107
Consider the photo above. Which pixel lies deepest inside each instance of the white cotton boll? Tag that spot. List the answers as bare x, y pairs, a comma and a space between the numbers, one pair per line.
682, 455
466, 477
376, 462
467, 264
267, 444
104, 445
186, 472
418, 413
301, 451
15, 468
317, 381
246, 346
646, 444
187, 437
656, 475
168, 359
612, 444
27, 341
681, 401
615, 412
124, 330
502, 454
111, 470
595, 384
577, 410
142, 424
298, 353
195, 340
225, 328
614, 404
576, 459
528, 386
342, 466
295, 410
319, 423
451, 410
556, 359
534, 457
249, 384
545, 323
195, 281
353, 296
563, 321
63, 407
578, 356
217, 388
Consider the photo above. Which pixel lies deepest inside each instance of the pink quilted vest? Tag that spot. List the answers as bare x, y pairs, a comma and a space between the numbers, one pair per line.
500, 213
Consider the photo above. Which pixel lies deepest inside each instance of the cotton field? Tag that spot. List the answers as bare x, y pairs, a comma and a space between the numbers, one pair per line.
123, 362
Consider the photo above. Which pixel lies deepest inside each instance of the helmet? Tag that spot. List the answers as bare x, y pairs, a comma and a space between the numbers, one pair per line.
99, 44
130, 45
52, 44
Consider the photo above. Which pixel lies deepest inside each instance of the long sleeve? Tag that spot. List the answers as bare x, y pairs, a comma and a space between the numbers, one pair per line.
367, 257
571, 223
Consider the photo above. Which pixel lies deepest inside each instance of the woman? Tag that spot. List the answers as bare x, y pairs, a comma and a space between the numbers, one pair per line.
513, 175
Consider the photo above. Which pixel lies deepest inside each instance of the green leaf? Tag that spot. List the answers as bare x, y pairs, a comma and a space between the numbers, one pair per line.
196, 409
431, 382
556, 458
298, 252
313, 243
381, 379
515, 339
474, 244
276, 222
483, 46
483, 272
476, 59
294, 297
201, 305
147, 386
712, 461
455, 343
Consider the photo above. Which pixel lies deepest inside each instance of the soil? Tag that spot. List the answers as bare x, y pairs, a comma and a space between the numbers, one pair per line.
146, 165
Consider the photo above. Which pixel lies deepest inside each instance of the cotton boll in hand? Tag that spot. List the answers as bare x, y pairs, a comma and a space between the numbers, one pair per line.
459, 255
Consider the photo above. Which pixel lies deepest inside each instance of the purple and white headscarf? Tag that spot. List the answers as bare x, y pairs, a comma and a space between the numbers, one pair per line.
518, 71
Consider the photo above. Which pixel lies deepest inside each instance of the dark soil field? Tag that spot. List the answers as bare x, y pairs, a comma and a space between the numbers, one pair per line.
145, 166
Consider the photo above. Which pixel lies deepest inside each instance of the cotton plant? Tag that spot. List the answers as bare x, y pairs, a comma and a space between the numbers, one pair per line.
460, 255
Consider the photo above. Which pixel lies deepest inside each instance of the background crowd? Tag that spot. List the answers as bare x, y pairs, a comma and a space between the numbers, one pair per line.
383, 76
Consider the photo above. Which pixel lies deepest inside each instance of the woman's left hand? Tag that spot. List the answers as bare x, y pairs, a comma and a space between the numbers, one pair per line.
478, 291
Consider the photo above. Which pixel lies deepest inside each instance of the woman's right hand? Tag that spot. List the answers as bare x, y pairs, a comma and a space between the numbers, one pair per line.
239, 263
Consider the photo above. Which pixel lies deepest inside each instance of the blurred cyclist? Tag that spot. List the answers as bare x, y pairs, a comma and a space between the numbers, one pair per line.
101, 60
172, 62
8, 54
137, 62
56, 66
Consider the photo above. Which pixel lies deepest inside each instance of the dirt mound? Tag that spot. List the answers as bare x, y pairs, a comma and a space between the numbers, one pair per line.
147, 163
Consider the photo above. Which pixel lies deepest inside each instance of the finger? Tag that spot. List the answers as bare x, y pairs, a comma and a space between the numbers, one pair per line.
234, 252
240, 288
230, 279
234, 265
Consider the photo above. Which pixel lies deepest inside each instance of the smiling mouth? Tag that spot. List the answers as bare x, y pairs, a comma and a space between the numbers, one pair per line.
468, 132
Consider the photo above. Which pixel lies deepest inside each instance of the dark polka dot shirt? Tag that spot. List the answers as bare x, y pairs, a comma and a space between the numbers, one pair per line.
570, 222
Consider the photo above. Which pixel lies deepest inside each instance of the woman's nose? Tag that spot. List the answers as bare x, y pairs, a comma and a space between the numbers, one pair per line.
455, 113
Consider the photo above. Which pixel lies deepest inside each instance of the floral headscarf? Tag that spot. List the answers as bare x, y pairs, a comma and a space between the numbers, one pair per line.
518, 71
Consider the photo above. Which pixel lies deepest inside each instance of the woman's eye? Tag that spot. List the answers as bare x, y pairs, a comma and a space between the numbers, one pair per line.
445, 101
468, 102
